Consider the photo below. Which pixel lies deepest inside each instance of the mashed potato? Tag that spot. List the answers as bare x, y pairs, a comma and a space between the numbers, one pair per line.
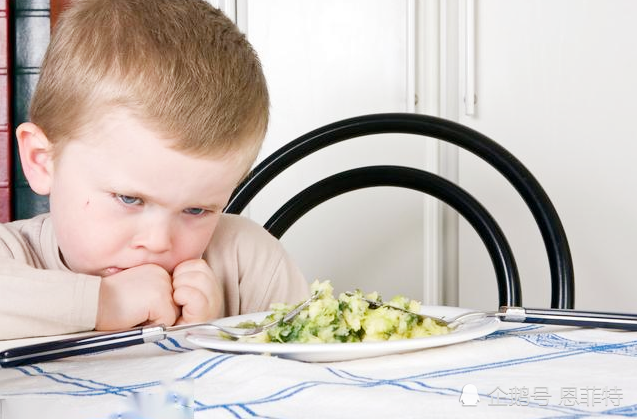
347, 318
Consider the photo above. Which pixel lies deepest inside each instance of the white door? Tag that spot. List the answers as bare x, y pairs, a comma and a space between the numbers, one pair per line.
327, 60
555, 84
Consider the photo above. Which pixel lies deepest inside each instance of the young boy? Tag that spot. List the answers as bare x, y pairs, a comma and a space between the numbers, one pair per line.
146, 116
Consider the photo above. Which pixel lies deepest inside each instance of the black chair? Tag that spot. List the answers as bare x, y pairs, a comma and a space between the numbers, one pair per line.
509, 290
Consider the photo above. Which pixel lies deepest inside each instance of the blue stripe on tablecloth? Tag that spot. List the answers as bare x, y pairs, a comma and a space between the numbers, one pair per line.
209, 365
553, 340
420, 387
406, 384
591, 347
416, 383
89, 387
510, 331
628, 411
624, 411
34, 370
88, 390
174, 342
235, 414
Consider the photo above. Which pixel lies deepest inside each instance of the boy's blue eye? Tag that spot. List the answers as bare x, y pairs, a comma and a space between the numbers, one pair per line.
129, 200
194, 211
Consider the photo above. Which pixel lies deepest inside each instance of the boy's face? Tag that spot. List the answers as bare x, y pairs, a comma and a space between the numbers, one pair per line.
121, 197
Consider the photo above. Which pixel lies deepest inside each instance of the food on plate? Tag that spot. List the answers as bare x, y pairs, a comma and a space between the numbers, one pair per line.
348, 318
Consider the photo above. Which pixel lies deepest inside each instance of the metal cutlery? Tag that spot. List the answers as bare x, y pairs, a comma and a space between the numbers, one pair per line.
96, 342
560, 317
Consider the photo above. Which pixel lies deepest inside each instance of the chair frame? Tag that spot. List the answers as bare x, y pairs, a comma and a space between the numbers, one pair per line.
538, 202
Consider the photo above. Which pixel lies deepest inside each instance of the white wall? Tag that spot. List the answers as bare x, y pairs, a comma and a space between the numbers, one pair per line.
555, 85
327, 60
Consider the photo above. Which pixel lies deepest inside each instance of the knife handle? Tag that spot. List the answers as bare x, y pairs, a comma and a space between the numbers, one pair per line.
567, 317
62, 348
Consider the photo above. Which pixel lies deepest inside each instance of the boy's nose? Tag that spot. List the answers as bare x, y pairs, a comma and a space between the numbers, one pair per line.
155, 237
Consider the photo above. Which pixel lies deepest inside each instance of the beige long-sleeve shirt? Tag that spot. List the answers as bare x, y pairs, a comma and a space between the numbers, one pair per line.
40, 296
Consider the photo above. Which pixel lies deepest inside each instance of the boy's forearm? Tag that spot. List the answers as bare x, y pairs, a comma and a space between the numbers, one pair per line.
38, 302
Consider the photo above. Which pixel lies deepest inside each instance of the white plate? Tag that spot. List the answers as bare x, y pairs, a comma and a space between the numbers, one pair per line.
329, 352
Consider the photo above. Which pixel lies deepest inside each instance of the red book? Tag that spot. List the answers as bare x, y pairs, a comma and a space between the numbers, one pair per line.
57, 7
5, 107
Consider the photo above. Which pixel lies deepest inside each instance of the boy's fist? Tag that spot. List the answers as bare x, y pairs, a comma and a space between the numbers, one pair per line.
197, 291
134, 296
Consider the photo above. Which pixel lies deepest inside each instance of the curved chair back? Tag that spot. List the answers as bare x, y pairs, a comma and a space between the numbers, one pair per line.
546, 217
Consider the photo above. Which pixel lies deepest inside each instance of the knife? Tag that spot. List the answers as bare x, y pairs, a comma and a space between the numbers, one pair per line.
568, 317
95, 342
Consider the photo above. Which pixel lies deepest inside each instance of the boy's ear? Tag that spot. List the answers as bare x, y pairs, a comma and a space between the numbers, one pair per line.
36, 157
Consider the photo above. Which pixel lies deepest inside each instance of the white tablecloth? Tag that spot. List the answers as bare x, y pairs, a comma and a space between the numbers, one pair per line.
521, 371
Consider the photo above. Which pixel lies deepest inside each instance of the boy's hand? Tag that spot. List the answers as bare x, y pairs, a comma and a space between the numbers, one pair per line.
142, 294
197, 291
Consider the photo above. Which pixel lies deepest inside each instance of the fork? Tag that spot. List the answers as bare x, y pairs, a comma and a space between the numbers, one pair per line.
560, 317
96, 342
375, 304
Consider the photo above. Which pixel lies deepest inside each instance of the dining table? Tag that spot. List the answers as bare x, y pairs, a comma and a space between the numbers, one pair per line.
516, 370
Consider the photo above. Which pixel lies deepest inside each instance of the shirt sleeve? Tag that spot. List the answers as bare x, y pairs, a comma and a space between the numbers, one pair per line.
253, 266
35, 301
283, 284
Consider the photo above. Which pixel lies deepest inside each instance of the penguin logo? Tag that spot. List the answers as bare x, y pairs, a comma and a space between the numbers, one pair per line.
469, 396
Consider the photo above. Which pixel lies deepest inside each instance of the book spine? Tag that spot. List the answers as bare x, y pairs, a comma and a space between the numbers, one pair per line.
5, 121
31, 23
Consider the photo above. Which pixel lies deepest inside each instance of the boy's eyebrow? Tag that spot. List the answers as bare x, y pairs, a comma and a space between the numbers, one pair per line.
147, 198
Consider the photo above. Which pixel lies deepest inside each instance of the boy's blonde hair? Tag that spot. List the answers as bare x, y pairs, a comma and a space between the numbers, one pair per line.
180, 66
